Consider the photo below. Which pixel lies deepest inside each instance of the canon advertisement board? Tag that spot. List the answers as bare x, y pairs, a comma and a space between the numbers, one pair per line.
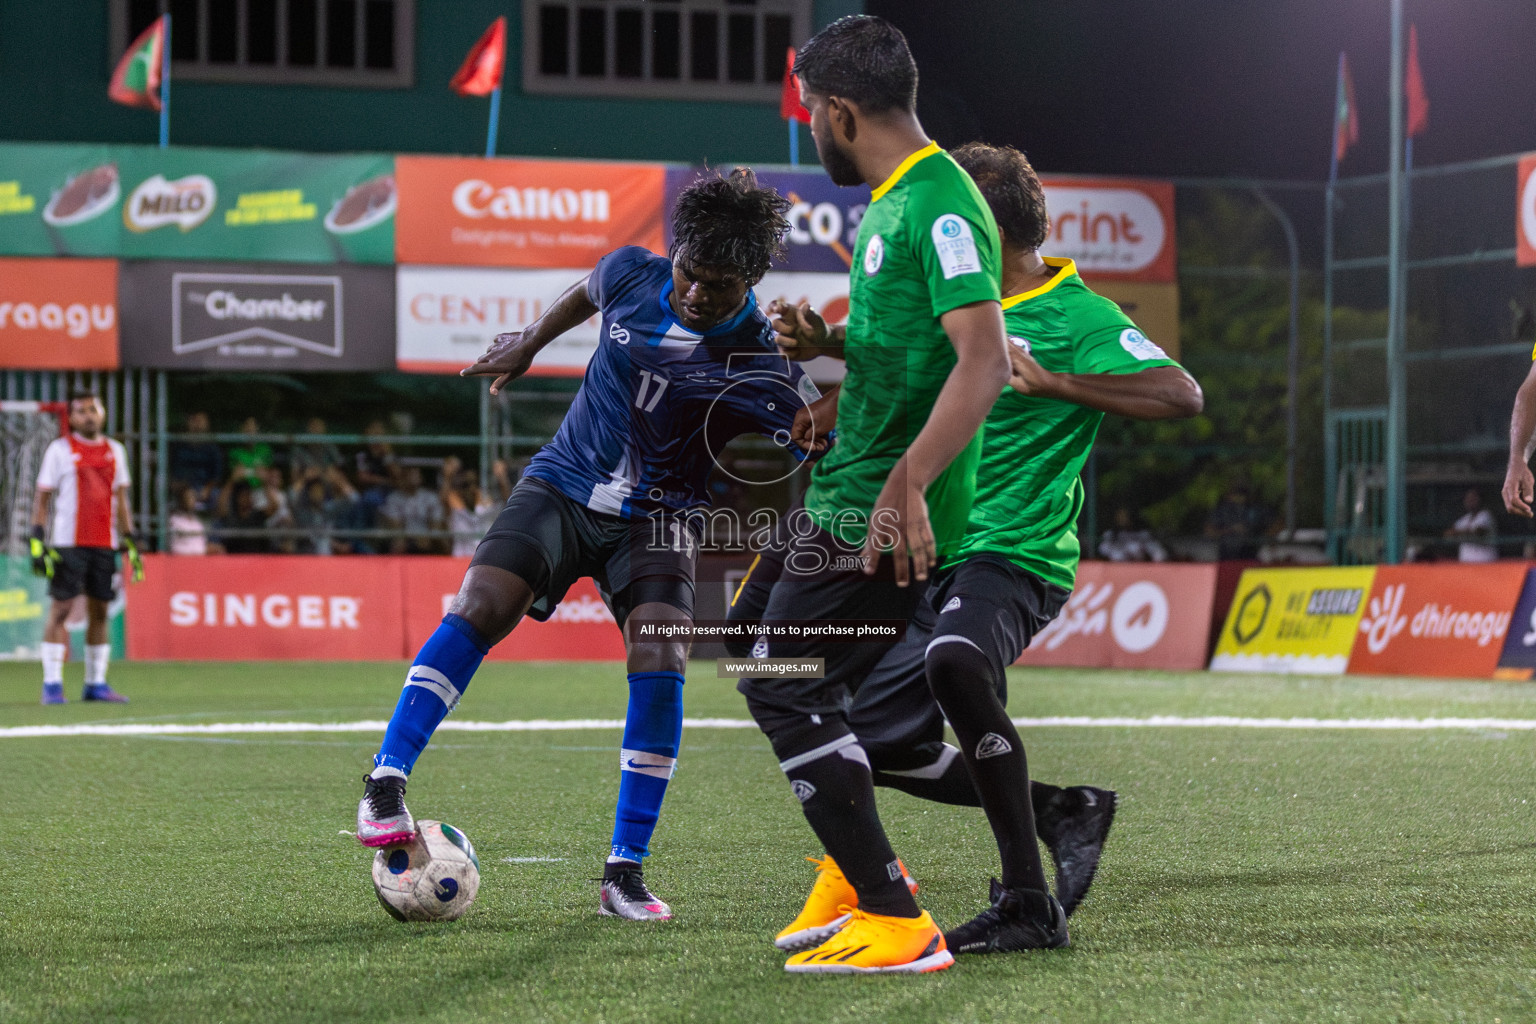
233, 316
1131, 615
58, 314
524, 213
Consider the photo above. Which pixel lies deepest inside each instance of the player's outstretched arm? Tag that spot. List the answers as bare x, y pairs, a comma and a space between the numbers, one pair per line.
1522, 443
1156, 393
899, 519
511, 354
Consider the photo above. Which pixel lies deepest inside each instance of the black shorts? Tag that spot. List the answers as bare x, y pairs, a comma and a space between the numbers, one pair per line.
551, 541
987, 602
820, 582
87, 571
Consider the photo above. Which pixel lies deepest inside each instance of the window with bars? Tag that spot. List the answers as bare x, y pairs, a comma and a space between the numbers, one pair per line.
672, 49
360, 43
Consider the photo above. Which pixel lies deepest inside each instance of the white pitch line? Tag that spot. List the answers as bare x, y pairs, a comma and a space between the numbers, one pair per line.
561, 725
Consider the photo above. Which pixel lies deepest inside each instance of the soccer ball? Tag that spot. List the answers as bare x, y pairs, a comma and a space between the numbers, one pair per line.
434, 877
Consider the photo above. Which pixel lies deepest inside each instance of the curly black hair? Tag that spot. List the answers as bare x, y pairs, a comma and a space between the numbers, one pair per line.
1011, 188
730, 222
860, 58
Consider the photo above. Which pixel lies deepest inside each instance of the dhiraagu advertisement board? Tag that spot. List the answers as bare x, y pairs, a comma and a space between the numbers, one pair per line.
1294, 620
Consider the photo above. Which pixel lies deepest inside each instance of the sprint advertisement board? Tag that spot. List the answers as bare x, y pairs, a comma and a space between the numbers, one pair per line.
1294, 620
143, 202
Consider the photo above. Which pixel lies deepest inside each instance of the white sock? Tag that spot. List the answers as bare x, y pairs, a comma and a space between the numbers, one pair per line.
620, 860
53, 661
386, 772
96, 656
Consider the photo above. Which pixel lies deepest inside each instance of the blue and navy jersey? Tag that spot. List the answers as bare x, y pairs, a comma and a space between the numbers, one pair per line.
659, 402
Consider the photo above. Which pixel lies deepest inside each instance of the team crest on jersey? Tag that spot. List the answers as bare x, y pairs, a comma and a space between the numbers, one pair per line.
1139, 345
760, 649
1022, 343
874, 255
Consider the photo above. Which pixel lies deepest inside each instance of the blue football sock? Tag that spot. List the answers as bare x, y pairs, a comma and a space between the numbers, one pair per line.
653, 729
433, 686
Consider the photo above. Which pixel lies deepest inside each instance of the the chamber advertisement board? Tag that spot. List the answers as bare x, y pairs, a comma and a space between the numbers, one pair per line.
234, 316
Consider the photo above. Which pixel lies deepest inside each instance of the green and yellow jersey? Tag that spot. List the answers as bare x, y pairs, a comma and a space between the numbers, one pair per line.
927, 244
1028, 490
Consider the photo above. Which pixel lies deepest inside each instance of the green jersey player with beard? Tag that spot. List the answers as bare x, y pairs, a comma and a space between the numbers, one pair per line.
1074, 356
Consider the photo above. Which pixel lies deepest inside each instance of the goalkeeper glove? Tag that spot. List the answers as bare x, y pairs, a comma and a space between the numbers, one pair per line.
135, 561
44, 558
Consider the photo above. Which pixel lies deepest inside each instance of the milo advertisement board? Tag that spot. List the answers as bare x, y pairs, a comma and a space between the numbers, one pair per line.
142, 202
23, 605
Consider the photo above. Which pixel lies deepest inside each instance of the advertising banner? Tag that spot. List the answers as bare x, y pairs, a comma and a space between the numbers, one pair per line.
524, 213
1113, 228
1518, 658
233, 316
24, 601
1437, 620
1525, 213
1293, 620
823, 217
59, 200
58, 314
1131, 615
346, 607
1116, 229
581, 628
255, 607
445, 317
192, 203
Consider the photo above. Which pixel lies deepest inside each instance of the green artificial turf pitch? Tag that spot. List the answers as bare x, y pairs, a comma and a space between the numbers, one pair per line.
1253, 875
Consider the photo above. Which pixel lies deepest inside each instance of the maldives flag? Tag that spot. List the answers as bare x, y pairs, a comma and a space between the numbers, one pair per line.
1346, 118
136, 82
481, 73
790, 107
1413, 87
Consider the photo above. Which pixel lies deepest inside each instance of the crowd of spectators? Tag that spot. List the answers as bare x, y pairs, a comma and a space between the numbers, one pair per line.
251, 499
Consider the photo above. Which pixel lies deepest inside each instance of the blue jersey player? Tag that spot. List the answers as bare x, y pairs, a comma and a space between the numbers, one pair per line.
685, 362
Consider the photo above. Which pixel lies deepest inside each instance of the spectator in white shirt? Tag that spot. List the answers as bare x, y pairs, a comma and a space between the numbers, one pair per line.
1475, 522
1129, 543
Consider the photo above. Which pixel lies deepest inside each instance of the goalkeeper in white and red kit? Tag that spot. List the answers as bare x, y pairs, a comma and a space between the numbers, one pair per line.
80, 520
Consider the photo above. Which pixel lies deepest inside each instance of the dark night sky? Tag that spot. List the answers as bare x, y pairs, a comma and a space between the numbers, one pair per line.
1214, 87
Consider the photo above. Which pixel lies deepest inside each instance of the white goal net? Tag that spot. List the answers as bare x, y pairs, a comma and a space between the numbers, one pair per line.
26, 428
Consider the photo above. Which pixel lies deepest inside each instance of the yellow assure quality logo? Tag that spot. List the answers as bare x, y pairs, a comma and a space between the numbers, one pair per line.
1293, 620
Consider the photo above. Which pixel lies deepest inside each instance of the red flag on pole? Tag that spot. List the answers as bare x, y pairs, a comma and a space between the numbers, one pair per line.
1413, 87
1346, 116
136, 80
790, 107
480, 74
